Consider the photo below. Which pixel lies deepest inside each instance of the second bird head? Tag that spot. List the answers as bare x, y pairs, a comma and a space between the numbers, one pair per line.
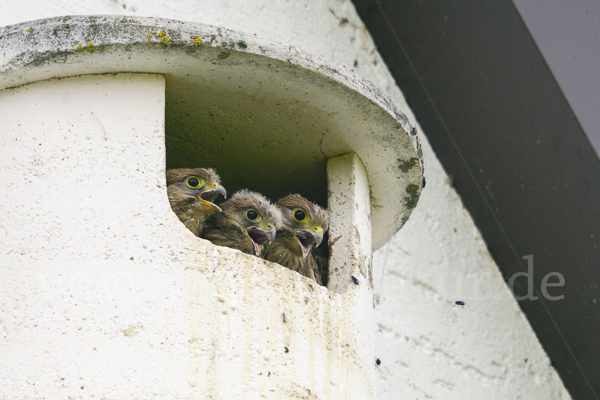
256, 215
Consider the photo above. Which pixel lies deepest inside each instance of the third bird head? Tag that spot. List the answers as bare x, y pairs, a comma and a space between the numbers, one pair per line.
307, 221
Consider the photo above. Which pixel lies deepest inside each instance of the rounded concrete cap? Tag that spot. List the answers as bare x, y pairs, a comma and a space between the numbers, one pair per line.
265, 115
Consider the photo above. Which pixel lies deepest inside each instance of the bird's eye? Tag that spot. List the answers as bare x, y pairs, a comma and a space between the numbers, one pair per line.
194, 182
252, 216
300, 215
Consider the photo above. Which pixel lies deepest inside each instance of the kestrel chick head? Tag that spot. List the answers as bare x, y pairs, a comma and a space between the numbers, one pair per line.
247, 223
191, 194
307, 221
304, 224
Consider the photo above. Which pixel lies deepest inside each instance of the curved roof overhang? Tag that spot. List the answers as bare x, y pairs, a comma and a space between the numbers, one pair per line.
265, 115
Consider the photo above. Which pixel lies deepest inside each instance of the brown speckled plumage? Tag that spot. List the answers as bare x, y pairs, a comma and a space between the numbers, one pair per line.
193, 206
232, 228
292, 247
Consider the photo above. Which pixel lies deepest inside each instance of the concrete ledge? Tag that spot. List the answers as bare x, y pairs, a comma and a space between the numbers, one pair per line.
266, 115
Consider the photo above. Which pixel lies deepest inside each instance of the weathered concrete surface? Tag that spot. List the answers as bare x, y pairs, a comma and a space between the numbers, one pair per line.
432, 348
104, 292
424, 251
350, 226
350, 268
265, 115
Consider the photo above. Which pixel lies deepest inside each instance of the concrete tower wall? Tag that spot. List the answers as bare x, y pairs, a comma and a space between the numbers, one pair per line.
429, 347
106, 293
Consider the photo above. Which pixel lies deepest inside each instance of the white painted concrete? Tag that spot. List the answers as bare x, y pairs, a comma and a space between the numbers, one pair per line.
349, 206
242, 105
350, 268
432, 348
428, 347
106, 293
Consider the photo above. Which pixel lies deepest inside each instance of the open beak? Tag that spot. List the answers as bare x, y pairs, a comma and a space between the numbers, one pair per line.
307, 239
208, 196
260, 237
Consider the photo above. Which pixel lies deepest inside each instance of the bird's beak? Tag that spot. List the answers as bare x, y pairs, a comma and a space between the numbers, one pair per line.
211, 194
260, 237
208, 196
271, 232
307, 238
210, 207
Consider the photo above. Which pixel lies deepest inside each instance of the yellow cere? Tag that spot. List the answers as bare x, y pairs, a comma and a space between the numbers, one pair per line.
165, 39
161, 34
